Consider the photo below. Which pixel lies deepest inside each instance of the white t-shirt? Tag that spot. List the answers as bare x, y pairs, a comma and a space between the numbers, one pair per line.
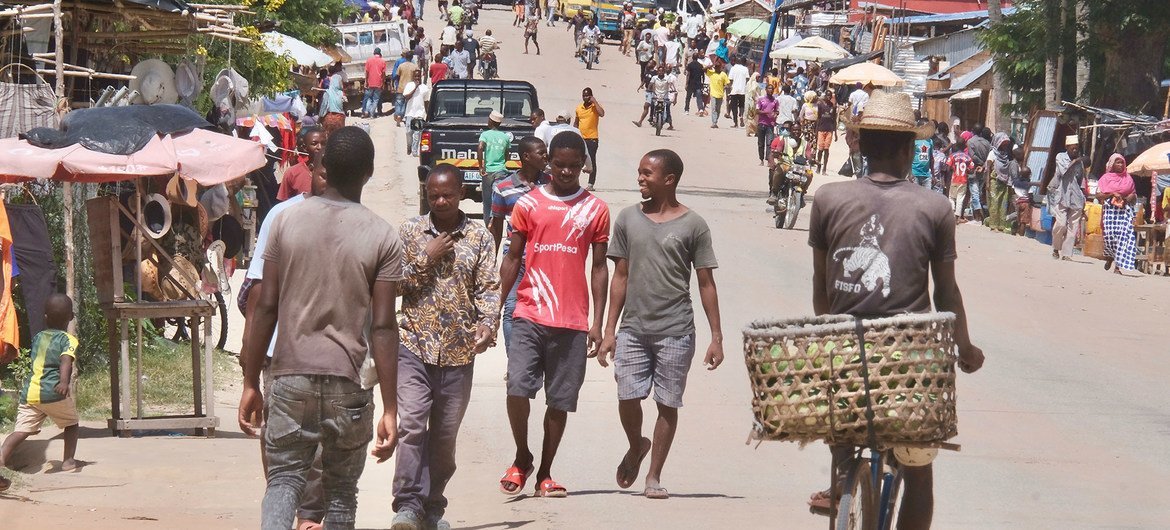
557, 128
449, 34
739, 77
642, 35
662, 87
256, 267
662, 34
416, 106
857, 101
786, 106
672, 52
542, 130
594, 31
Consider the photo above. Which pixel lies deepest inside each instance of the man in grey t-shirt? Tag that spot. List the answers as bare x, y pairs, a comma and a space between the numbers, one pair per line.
654, 246
322, 305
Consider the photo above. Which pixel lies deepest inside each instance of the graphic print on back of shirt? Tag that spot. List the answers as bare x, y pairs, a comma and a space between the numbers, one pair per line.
581, 215
867, 257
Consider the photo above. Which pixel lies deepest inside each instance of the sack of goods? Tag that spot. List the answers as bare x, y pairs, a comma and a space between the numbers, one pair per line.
810, 382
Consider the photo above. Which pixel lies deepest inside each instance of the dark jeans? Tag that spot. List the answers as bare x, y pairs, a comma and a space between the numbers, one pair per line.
735, 107
696, 93
304, 412
431, 403
591, 145
510, 308
486, 193
764, 135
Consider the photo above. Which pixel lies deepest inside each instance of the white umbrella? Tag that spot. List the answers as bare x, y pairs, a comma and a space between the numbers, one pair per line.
299, 51
811, 49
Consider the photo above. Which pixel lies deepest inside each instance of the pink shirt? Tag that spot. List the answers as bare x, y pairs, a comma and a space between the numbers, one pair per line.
375, 72
559, 232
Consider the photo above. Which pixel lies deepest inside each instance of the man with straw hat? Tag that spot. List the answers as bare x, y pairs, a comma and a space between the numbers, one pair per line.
1066, 199
871, 238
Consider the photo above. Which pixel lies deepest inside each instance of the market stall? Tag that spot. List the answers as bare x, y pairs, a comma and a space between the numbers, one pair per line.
166, 151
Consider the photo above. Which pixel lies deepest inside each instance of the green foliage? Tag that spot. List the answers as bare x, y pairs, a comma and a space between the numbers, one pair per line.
307, 20
1021, 36
1026, 38
91, 323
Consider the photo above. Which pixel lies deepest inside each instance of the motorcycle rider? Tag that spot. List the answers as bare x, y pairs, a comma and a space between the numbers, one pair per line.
780, 157
661, 88
590, 34
487, 53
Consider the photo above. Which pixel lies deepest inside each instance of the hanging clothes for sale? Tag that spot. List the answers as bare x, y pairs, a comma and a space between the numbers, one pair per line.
25, 106
34, 257
9, 330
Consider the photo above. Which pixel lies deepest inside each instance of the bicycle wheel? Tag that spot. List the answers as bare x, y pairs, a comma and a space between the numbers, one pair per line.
858, 507
218, 323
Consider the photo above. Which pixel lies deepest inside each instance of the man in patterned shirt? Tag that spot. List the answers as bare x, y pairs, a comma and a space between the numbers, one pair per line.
450, 302
505, 194
554, 229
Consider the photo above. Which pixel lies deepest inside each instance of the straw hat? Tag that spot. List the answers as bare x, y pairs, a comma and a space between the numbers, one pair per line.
183, 191
156, 215
155, 82
188, 81
148, 271
184, 274
891, 111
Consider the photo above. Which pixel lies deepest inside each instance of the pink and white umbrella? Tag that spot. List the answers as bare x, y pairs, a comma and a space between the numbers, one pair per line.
203, 156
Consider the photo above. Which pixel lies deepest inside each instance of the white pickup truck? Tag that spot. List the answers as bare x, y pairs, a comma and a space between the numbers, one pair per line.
359, 41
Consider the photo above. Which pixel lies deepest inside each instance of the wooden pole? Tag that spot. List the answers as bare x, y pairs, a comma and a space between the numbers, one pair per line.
66, 188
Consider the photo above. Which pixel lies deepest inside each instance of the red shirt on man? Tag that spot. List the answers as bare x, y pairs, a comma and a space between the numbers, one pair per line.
298, 179
375, 72
558, 232
438, 72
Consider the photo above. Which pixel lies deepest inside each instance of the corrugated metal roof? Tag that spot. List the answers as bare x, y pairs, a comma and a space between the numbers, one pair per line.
953, 18
973, 75
956, 47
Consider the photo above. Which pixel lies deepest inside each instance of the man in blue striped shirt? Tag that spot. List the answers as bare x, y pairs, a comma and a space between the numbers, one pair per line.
505, 193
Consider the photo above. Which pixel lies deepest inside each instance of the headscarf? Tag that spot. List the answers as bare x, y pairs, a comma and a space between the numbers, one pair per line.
1119, 183
334, 96
1002, 160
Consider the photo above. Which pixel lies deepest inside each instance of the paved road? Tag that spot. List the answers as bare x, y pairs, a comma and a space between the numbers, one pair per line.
1061, 429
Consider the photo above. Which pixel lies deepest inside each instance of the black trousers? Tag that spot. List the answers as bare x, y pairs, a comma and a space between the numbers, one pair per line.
34, 257
591, 145
735, 106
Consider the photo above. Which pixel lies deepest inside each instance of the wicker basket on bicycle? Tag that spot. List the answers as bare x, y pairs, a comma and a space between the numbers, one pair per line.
808, 379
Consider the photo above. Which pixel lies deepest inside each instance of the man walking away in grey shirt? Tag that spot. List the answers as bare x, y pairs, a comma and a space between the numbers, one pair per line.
317, 398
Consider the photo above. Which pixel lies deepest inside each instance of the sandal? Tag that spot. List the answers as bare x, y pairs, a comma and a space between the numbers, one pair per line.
516, 476
656, 493
819, 502
549, 488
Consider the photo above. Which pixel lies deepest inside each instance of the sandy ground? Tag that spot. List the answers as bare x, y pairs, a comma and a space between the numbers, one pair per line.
1061, 429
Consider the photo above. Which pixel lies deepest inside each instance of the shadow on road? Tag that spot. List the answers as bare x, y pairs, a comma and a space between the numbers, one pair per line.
504, 525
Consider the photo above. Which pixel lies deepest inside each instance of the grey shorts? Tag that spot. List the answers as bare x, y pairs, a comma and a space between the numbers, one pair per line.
643, 361
550, 357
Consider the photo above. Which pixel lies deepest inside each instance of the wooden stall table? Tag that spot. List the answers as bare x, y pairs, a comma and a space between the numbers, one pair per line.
1151, 243
105, 239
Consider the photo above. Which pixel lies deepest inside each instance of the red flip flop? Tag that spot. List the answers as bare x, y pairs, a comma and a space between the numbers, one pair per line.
549, 488
517, 476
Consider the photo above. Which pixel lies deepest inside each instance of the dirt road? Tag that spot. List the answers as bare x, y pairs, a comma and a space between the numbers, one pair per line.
1061, 429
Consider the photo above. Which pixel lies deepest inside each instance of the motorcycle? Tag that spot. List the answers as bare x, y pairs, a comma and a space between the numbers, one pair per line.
487, 66
590, 52
790, 195
658, 115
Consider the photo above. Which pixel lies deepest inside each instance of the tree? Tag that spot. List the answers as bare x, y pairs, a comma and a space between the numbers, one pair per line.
1117, 46
1000, 92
